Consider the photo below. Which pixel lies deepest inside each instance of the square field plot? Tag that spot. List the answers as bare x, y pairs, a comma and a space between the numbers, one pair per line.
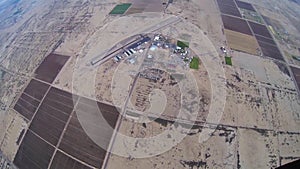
120, 9
34, 153
50, 67
236, 24
53, 115
62, 161
259, 29
31, 98
78, 143
245, 5
241, 42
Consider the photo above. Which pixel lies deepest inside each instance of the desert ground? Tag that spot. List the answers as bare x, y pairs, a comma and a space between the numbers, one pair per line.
243, 115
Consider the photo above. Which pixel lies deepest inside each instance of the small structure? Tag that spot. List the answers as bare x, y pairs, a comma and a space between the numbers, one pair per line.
223, 49
116, 59
153, 48
132, 60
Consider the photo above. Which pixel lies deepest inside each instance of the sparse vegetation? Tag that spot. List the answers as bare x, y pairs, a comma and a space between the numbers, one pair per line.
250, 15
182, 44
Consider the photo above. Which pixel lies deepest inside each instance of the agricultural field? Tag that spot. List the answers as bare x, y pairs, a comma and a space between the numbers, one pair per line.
251, 15
242, 42
149, 84
140, 6
229, 7
120, 9
194, 63
236, 24
228, 61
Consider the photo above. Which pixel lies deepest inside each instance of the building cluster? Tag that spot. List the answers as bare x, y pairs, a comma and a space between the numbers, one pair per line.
132, 49
180, 54
152, 74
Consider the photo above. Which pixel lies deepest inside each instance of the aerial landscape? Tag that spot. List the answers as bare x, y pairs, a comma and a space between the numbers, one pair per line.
163, 84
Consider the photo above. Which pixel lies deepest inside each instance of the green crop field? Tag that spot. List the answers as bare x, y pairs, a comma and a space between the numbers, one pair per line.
194, 63
182, 44
228, 61
120, 9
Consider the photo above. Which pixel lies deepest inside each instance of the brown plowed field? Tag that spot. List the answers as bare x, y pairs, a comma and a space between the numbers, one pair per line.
236, 24
25, 108
30, 99
33, 153
226, 2
260, 29
50, 67
62, 161
265, 40
270, 50
52, 115
139, 6
51, 120
36, 89
75, 140
245, 5
78, 144
230, 10
241, 42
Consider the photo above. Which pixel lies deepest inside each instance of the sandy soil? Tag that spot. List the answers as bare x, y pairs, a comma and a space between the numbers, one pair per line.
9, 144
254, 101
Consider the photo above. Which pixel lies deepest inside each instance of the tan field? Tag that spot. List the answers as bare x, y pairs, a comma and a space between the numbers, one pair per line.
241, 42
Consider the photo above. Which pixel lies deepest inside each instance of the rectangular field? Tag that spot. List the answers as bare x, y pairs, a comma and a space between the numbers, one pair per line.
228, 61
49, 123
34, 153
259, 29
245, 5
62, 161
236, 24
51, 119
50, 67
139, 6
241, 42
270, 50
120, 9
230, 10
77, 143
194, 63
30, 98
